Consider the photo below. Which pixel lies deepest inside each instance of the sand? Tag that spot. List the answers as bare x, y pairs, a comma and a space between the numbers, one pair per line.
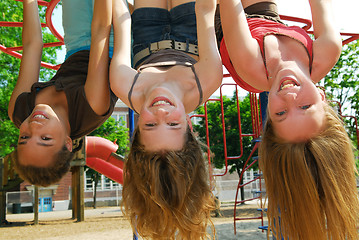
109, 224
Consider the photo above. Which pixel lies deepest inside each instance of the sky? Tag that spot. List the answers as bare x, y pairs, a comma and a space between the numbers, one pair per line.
345, 12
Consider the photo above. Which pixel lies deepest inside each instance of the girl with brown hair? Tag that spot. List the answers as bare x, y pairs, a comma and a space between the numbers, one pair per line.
166, 190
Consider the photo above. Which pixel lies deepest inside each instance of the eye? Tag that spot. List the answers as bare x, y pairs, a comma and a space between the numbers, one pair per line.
24, 137
150, 124
46, 138
305, 107
281, 113
172, 124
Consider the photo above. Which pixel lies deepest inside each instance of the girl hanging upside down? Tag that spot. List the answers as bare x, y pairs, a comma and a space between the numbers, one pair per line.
166, 190
74, 102
306, 155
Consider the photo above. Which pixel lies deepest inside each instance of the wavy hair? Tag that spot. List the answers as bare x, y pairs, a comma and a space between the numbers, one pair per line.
311, 186
45, 176
167, 195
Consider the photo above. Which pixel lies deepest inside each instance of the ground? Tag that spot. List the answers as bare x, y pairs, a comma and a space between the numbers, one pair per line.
109, 224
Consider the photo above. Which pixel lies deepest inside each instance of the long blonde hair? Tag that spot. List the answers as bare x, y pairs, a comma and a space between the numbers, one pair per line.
311, 186
167, 195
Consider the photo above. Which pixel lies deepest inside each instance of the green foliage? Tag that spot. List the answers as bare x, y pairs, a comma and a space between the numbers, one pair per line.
113, 131
342, 85
11, 11
235, 148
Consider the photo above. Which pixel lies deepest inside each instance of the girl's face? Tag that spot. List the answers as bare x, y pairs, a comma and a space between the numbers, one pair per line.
296, 106
42, 134
162, 121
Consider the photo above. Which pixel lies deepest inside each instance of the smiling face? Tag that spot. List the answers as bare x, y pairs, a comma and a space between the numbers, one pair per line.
42, 134
296, 107
162, 122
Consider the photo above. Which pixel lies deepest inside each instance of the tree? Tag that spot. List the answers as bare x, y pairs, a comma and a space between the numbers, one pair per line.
232, 132
342, 85
9, 68
115, 132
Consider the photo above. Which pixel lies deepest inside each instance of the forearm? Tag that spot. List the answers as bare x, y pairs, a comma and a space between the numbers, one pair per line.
97, 84
122, 32
327, 44
32, 52
121, 72
243, 50
323, 18
31, 32
209, 65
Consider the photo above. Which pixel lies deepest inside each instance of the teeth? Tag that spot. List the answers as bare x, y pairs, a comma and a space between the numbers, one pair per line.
287, 84
39, 116
161, 102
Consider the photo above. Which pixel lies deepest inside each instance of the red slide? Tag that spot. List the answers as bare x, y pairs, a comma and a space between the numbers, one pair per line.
101, 156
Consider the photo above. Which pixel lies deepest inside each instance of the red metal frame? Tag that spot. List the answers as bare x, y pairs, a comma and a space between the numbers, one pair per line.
14, 51
255, 124
255, 112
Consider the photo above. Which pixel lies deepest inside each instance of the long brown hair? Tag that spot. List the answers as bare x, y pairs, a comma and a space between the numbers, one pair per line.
167, 194
311, 186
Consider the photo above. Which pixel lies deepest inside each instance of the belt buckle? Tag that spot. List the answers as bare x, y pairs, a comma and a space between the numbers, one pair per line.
165, 44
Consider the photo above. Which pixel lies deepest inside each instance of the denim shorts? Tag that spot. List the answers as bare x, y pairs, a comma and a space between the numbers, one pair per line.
76, 21
151, 25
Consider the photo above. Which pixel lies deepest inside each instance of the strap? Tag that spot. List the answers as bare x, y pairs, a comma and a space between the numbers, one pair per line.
130, 92
198, 85
183, 64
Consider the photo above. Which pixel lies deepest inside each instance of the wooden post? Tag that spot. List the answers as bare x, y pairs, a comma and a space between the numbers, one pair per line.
80, 195
77, 189
74, 192
36, 205
2, 207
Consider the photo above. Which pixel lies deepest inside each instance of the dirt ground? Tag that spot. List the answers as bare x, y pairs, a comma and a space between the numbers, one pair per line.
109, 224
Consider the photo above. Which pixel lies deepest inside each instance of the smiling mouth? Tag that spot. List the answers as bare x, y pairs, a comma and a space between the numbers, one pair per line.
289, 83
161, 101
39, 115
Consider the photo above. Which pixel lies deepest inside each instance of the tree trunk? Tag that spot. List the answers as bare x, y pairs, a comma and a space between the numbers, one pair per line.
94, 194
242, 188
242, 192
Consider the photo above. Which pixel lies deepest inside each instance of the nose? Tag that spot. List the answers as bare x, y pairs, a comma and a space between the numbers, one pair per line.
35, 125
290, 97
162, 112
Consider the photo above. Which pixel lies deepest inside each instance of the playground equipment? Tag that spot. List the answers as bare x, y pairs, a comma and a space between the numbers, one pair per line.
99, 154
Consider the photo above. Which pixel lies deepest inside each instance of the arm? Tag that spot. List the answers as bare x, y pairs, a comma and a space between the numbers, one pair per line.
97, 83
32, 52
327, 44
242, 48
209, 65
121, 72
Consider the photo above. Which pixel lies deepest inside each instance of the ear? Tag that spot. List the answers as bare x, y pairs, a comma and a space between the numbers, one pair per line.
322, 93
68, 143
